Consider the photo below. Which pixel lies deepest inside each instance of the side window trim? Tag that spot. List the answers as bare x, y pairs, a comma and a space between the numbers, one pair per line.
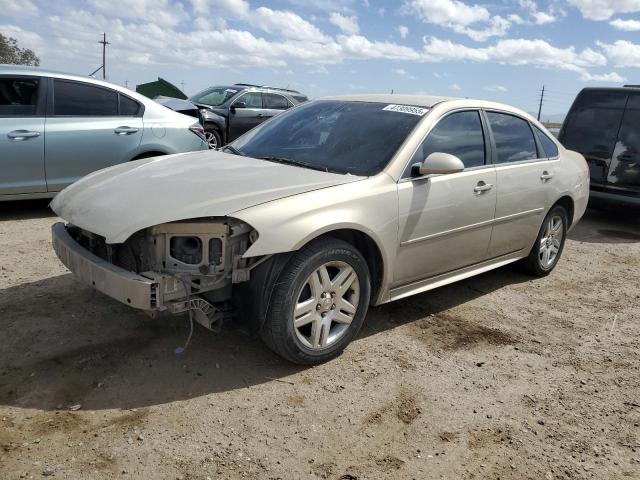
487, 150
51, 101
41, 105
494, 156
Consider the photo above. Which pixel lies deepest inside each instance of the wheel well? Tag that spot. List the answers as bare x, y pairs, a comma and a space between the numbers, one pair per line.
370, 251
147, 155
216, 127
567, 203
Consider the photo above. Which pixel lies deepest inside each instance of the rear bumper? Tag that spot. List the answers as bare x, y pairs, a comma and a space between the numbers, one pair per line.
127, 287
607, 196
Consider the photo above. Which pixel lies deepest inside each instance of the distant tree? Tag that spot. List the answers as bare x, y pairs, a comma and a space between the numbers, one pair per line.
12, 54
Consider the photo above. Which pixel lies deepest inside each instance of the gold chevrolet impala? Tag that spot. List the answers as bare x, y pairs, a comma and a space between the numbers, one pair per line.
301, 224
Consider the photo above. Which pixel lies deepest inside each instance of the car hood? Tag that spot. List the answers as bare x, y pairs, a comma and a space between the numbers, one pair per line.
121, 200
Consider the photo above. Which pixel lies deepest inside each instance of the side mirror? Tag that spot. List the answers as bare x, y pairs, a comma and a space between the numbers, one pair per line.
238, 105
439, 163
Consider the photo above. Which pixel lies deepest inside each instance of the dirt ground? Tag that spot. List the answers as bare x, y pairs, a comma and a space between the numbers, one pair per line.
500, 376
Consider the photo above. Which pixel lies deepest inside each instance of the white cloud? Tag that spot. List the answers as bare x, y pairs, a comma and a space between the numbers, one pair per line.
612, 77
26, 39
357, 46
286, 23
348, 25
622, 53
475, 21
515, 18
403, 73
239, 8
455, 87
403, 31
159, 12
605, 9
625, 25
495, 88
542, 18
19, 8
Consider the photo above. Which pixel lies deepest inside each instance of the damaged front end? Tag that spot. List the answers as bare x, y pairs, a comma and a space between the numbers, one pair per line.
174, 267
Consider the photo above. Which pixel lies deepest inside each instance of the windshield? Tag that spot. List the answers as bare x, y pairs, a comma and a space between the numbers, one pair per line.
337, 136
214, 96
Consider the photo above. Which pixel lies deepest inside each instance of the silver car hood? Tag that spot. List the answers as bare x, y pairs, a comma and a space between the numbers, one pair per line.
121, 200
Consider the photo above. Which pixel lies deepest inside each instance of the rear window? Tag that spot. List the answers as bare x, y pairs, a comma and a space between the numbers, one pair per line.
300, 98
593, 123
128, 106
81, 100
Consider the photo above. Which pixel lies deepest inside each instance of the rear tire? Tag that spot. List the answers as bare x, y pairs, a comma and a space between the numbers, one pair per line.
319, 302
546, 252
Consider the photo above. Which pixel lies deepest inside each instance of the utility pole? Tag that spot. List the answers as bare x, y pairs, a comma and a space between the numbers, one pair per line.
104, 48
126, 84
182, 85
541, 100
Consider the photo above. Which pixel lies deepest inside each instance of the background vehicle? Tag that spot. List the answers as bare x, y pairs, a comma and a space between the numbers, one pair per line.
603, 124
229, 111
56, 128
337, 204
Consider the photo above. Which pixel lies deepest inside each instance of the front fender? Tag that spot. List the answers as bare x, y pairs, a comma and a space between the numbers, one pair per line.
369, 206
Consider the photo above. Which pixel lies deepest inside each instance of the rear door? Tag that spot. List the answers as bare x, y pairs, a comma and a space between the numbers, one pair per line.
524, 177
85, 131
274, 104
22, 105
592, 127
624, 171
242, 119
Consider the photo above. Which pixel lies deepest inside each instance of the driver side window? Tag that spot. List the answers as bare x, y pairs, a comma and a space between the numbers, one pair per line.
251, 99
458, 134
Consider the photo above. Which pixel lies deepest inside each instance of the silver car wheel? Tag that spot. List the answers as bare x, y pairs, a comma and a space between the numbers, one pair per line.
211, 139
326, 305
551, 242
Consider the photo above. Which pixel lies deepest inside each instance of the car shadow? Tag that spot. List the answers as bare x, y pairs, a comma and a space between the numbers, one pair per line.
25, 210
608, 224
65, 344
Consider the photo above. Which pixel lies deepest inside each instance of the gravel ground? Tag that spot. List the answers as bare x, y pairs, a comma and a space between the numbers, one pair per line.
499, 376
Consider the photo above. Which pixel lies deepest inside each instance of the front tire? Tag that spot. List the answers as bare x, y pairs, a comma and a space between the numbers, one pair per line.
319, 302
212, 137
546, 252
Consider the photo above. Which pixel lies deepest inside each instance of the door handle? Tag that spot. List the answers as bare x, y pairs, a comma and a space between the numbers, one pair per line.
20, 135
260, 115
125, 130
546, 176
482, 187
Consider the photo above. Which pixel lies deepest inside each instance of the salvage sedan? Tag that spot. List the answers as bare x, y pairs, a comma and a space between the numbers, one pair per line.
300, 225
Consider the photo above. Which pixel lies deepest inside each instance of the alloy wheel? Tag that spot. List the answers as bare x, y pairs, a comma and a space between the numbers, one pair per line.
326, 305
551, 242
212, 139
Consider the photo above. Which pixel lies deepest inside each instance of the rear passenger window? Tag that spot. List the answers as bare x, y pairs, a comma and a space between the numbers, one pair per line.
513, 137
128, 106
251, 99
548, 145
18, 96
458, 134
276, 102
82, 100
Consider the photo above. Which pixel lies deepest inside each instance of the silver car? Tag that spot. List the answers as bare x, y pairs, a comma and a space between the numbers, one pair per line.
338, 204
56, 128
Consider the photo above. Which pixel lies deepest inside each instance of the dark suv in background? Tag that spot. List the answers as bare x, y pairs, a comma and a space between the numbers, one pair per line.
226, 112
603, 124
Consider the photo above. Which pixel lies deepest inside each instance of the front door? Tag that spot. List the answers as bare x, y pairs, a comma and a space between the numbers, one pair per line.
22, 135
525, 177
86, 133
245, 113
445, 221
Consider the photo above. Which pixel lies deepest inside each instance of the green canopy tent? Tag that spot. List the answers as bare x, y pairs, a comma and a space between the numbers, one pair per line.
160, 87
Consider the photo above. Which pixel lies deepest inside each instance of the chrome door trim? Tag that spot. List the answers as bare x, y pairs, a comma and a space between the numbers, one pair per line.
506, 218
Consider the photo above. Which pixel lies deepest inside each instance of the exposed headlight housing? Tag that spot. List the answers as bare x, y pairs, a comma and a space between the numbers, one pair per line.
186, 249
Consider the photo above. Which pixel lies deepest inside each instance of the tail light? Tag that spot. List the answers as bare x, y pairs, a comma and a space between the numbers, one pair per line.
198, 130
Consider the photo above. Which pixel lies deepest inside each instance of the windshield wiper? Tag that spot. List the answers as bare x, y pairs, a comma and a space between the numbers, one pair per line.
295, 163
233, 150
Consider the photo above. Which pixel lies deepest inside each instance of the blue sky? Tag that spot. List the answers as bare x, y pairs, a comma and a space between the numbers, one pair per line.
503, 50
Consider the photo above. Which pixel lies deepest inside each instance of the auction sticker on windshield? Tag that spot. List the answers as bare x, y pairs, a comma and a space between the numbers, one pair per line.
406, 109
